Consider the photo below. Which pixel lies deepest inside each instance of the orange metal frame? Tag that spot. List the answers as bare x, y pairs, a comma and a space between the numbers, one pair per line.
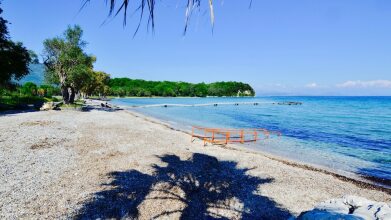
226, 136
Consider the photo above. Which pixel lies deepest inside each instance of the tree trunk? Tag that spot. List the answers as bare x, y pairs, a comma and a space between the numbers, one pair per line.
77, 95
65, 94
72, 96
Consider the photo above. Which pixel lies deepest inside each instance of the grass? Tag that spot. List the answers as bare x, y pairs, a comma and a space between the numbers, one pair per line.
14, 101
76, 105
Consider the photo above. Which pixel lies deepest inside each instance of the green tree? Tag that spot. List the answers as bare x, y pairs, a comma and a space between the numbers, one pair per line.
14, 57
50, 90
137, 87
201, 90
101, 80
66, 62
98, 84
34, 57
29, 88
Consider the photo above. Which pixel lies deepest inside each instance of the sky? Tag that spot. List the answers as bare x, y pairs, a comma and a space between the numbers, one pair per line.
280, 47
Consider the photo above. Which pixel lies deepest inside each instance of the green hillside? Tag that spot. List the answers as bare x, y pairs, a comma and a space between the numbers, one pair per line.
144, 88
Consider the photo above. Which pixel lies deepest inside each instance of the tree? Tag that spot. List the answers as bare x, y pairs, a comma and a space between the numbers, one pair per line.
67, 64
49, 90
136, 87
98, 84
201, 90
14, 57
34, 57
29, 88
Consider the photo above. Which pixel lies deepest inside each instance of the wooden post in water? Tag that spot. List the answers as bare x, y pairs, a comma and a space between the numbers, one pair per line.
241, 137
255, 136
204, 137
192, 134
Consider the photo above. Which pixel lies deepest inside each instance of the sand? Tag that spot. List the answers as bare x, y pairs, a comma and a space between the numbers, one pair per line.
99, 164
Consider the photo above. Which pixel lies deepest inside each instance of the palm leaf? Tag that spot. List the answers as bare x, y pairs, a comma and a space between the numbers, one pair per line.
150, 6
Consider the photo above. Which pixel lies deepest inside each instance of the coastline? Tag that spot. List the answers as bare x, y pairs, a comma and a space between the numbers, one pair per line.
358, 180
348, 172
174, 97
78, 163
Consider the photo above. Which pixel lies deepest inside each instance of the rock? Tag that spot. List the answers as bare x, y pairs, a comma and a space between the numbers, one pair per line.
348, 207
49, 106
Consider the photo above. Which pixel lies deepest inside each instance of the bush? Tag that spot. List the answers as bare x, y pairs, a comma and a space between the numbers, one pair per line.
21, 97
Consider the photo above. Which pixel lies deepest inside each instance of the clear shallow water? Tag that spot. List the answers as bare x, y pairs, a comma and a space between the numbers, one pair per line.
346, 134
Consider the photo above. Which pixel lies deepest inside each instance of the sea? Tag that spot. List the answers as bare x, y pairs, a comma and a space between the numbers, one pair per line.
346, 135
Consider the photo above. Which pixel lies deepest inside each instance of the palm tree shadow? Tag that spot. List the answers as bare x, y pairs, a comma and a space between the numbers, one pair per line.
127, 190
208, 187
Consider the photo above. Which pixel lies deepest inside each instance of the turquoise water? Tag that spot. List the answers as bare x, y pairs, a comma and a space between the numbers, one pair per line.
351, 135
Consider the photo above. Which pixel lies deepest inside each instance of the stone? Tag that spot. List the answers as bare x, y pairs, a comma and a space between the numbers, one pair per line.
348, 207
49, 106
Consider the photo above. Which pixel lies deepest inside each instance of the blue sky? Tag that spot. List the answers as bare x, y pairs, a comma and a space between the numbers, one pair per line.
280, 47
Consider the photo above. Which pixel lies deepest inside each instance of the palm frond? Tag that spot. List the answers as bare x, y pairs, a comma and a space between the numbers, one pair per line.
150, 6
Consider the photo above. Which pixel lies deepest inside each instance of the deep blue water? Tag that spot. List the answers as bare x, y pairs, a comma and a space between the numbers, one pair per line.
345, 134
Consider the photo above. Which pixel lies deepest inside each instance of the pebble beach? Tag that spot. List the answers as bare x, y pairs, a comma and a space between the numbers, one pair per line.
120, 164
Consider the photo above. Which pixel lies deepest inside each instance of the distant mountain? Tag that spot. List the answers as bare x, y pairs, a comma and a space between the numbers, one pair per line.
36, 75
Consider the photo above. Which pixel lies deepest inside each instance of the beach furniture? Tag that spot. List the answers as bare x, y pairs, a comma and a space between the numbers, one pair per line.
225, 136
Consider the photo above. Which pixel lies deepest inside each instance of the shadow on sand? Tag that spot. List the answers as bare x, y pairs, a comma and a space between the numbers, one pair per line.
205, 183
15, 112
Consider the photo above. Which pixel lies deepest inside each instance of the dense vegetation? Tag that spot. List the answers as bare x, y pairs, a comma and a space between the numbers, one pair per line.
14, 65
21, 96
143, 88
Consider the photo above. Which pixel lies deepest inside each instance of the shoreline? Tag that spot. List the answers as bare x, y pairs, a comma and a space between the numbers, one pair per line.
102, 163
109, 98
360, 181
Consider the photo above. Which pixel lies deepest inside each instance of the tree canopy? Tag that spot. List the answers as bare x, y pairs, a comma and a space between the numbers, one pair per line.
97, 84
14, 57
34, 57
143, 88
66, 62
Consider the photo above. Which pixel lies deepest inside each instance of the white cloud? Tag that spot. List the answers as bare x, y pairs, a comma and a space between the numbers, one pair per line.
366, 84
311, 85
